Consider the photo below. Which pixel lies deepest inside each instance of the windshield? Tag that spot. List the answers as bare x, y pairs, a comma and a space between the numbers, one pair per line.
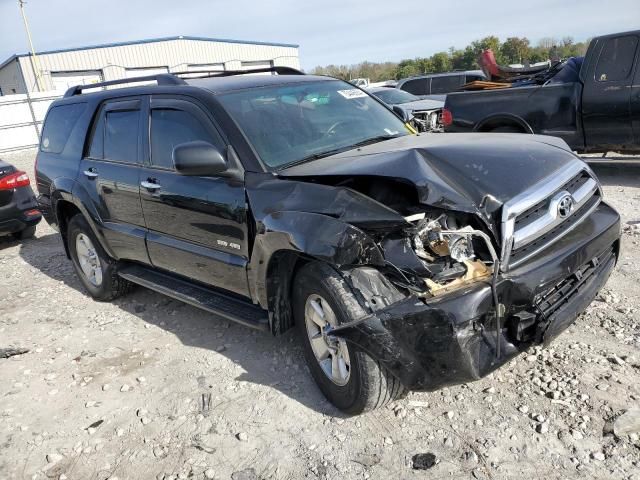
295, 123
393, 96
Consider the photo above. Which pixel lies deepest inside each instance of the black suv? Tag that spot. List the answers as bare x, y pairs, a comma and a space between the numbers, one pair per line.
406, 262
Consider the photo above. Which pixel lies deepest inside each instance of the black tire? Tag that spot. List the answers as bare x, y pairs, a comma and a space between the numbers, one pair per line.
370, 385
25, 234
112, 285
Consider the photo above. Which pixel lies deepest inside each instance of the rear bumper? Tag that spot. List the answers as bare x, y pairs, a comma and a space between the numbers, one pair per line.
20, 213
452, 339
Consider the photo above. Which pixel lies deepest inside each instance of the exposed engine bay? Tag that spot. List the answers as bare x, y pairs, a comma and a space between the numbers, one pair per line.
435, 251
427, 121
437, 254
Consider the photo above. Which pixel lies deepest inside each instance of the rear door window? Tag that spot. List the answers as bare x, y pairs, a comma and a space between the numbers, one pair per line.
116, 132
58, 125
616, 59
417, 86
121, 135
445, 84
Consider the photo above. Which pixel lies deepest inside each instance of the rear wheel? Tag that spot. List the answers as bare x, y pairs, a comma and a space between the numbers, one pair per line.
349, 378
25, 234
96, 270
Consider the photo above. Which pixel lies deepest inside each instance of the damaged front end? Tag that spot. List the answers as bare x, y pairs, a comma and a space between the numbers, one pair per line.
457, 273
442, 313
427, 121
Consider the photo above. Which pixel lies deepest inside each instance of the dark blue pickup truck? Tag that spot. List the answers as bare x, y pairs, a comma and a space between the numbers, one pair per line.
599, 112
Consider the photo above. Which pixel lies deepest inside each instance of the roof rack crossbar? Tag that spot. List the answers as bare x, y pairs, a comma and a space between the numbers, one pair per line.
161, 79
280, 70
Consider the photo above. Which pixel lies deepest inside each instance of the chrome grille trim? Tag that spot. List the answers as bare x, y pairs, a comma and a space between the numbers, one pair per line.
551, 219
552, 185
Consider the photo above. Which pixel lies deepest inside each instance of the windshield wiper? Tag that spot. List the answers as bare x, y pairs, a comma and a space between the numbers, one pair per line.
372, 140
334, 151
316, 156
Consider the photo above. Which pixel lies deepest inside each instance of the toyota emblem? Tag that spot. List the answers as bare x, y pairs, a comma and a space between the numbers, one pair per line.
565, 206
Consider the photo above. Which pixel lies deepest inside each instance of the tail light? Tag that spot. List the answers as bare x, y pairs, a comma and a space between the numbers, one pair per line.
447, 118
14, 180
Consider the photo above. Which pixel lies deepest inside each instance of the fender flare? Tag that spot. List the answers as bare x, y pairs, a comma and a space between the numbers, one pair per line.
503, 119
70, 191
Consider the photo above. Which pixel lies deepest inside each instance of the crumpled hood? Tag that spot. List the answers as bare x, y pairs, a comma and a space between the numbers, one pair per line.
451, 170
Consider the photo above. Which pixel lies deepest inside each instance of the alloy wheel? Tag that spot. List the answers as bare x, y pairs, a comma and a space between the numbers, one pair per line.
331, 353
89, 260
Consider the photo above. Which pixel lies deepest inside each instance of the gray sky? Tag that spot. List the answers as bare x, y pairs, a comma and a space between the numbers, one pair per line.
328, 31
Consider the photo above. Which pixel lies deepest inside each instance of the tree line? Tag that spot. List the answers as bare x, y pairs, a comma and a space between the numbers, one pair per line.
514, 50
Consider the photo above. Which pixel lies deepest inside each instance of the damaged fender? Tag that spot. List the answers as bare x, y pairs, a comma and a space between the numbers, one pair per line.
284, 237
294, 219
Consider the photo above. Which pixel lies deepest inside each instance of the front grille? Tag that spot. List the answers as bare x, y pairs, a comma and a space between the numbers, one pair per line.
548, 302
542, 207
540, 223
518, 254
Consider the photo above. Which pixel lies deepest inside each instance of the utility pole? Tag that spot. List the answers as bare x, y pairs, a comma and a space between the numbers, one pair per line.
34, 59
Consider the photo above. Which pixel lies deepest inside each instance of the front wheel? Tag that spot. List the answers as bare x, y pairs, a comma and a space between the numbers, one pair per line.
96, 270
349, 378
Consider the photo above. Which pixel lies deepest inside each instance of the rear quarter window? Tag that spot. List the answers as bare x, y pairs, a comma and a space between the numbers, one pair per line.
58, 125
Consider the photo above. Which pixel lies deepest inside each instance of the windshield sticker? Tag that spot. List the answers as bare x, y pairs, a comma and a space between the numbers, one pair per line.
352, 93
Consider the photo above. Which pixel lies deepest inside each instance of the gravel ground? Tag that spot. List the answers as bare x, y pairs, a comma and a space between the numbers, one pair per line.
149, 388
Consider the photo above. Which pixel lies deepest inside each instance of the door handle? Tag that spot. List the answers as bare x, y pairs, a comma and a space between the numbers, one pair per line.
90, 173
150, 185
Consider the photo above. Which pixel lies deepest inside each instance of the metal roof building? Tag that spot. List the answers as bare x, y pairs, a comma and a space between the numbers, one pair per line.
60, 69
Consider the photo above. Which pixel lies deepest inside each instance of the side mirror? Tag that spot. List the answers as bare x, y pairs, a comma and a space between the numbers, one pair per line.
199, 159
405, 115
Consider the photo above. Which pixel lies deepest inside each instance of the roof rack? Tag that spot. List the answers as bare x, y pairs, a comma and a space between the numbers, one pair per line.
161, 79
280, 70
174, 79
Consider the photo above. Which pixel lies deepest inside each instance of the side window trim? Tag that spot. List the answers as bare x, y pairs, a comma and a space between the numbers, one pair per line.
115, 105
184, 104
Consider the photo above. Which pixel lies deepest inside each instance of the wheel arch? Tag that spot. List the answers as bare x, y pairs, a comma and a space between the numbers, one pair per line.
65, 210
281, 270
67, 206
502, 120
287, 240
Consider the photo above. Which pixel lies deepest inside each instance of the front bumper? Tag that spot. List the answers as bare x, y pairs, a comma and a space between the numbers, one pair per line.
20, 213
452, 339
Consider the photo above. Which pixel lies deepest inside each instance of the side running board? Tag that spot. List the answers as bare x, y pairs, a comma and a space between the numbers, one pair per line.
207, 299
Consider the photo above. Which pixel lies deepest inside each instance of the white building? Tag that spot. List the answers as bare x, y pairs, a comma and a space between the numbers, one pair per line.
61, 69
